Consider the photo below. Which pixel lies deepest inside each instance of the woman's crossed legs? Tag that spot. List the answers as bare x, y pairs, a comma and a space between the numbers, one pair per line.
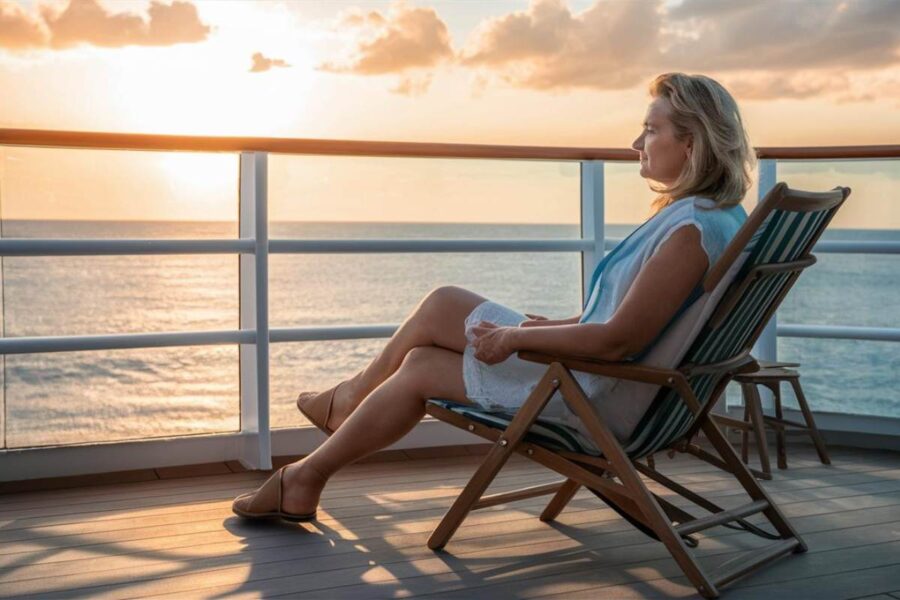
382, 403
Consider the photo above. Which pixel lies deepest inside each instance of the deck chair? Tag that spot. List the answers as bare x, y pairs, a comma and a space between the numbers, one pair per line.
757, 269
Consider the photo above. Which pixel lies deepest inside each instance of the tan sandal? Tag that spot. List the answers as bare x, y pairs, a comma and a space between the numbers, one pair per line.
265, 503
303, 400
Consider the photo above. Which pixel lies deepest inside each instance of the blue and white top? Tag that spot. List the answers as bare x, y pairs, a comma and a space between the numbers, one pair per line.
621, 404
614, 275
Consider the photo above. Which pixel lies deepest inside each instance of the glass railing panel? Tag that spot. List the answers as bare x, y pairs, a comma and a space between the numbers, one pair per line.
850, 289
74, 193
105, 396
384, 288
847, 289
854, 377
347, 289
312, 366
420, 190
86, 295
873, 203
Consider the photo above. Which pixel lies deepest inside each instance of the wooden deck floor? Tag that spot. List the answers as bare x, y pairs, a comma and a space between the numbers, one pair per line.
178, 538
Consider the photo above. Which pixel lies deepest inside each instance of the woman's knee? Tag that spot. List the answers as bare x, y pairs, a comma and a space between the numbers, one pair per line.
418, 366
448, 299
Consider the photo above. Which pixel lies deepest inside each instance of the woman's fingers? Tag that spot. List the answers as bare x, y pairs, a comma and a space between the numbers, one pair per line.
535, 317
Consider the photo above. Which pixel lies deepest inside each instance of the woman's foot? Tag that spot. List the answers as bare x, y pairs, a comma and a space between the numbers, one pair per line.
303, 486
291, 493
327, 410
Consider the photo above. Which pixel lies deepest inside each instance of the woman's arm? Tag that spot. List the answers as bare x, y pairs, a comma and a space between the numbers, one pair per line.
659, 290
544, 321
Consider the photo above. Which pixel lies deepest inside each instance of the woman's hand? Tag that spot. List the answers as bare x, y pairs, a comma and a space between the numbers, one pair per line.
493, 344
535, 321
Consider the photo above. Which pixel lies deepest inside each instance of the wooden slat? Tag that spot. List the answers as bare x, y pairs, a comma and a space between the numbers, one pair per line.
726, 516
516, 495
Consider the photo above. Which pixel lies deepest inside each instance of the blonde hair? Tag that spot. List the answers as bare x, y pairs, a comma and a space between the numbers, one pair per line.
721, 156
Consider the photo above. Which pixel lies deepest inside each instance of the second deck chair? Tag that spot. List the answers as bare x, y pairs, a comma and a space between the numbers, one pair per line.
757, 269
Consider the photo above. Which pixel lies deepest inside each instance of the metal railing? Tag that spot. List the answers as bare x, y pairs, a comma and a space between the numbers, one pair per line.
254, 246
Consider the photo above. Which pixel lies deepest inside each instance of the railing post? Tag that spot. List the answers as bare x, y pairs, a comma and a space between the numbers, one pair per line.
766, 347
254, 312
592, 220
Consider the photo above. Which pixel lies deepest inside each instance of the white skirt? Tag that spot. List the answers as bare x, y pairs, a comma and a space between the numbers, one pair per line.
505, 386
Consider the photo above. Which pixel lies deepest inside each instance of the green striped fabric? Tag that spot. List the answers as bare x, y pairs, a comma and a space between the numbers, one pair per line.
543, 433
783, 237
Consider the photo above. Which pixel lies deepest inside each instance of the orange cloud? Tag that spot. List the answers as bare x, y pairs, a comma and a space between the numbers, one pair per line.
87, 22
407, 38
18, 29
410, 85
608, 46
262, 63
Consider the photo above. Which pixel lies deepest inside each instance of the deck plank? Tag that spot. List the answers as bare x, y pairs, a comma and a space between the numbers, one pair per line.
177, 537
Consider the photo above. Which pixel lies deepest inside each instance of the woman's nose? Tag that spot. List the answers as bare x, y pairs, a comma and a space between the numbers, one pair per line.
638, 144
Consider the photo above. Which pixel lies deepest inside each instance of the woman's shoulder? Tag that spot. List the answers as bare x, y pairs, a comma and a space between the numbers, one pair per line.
717, 224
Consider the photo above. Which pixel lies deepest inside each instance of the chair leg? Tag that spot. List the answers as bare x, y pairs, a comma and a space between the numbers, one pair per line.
810, 422
759, 429
651, 512
780, 449
560, 500
496, 457
745, 434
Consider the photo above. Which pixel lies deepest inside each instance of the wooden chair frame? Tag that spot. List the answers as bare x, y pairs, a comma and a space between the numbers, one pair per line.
616, 477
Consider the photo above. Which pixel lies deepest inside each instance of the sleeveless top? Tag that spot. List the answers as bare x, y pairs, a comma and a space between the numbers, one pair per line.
621, 404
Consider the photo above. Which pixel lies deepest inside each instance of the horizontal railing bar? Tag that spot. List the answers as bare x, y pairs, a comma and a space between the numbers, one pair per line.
323, 246
95, 247
122, 341
840, 332
335, 332
138, 141
99, 247
78, 343
854, 247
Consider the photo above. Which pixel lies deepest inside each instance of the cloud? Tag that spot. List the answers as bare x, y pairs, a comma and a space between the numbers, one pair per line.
407, 38
764, 49
18, 29
608, 46
411, 85
262, 63
88, 22
785, 35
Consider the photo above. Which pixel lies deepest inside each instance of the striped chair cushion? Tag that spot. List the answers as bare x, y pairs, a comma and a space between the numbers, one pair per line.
543, 433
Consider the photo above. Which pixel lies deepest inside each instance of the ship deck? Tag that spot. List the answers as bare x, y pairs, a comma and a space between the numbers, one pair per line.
170, 532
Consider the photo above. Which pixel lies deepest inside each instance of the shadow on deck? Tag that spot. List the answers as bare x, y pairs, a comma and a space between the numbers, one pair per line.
178, 537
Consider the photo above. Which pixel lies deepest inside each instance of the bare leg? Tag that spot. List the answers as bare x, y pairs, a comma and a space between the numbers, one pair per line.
438, 321
384, 416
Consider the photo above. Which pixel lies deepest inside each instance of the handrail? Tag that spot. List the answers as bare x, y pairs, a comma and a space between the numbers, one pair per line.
145, 141
141, 141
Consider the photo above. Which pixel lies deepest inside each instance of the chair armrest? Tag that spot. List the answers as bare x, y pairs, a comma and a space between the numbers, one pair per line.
619, 370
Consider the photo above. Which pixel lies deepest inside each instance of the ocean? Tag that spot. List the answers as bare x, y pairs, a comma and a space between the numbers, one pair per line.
77, 397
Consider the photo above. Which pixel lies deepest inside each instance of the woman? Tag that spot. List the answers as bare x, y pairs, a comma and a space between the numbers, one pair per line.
458, 346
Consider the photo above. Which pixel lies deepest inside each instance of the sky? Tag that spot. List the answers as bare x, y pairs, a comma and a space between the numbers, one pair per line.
538, 72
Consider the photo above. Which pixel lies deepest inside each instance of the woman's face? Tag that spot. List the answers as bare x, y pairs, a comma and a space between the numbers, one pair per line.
662, 155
